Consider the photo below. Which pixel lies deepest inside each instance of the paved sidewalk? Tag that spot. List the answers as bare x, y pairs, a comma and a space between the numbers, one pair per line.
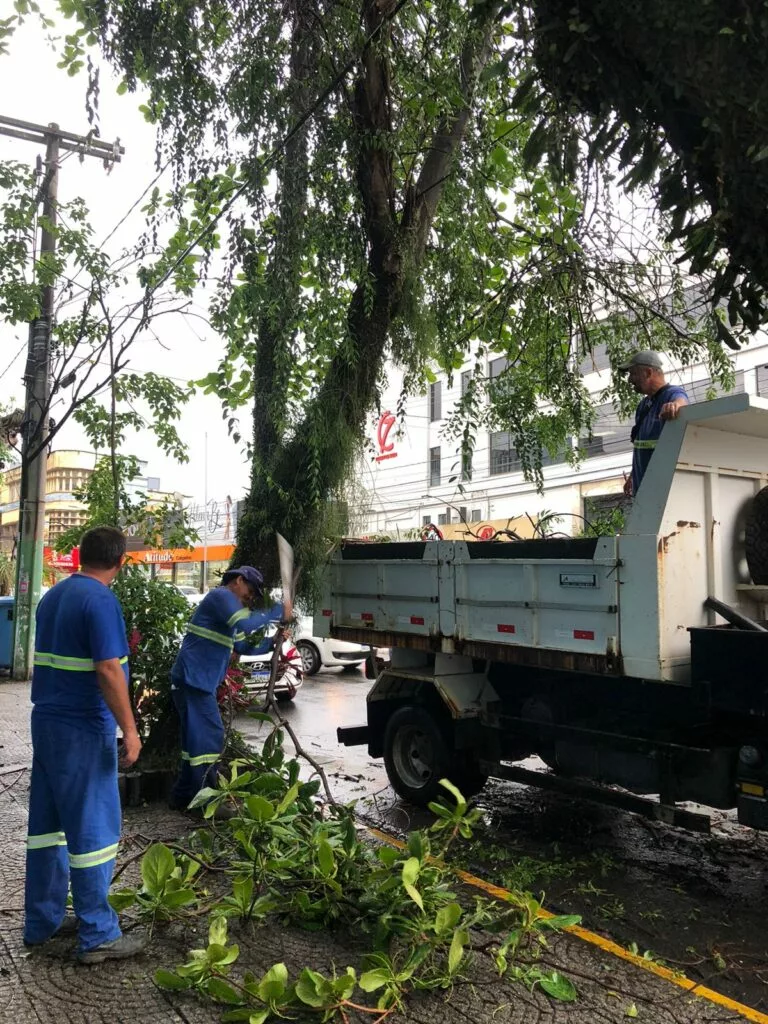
48, 987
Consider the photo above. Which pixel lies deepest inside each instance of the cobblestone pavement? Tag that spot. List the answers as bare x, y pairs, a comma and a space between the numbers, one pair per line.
48, 987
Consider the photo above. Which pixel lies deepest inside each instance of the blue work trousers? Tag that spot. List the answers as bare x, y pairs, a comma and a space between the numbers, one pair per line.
202, 741
74, 829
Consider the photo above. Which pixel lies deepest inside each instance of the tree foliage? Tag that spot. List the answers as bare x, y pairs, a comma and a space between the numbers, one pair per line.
678, 93
371, 186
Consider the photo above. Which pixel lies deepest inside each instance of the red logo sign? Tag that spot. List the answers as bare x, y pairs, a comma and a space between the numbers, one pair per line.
486, 533
386, 447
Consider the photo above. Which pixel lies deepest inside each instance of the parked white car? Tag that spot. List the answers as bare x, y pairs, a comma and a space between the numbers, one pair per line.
192, 594
318, 652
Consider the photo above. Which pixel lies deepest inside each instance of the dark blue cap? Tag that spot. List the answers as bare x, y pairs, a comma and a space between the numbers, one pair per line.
249, 574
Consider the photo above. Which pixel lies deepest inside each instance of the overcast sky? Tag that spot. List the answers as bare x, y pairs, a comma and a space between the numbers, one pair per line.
34, 89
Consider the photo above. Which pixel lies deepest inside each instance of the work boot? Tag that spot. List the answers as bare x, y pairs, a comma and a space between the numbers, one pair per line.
119, 949
67, 928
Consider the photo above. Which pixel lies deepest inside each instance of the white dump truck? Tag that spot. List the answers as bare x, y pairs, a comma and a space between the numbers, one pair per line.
599, 655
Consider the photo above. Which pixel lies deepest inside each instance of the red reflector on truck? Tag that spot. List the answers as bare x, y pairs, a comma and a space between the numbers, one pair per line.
505, 627
417, 620
366, 616
327, 612
583, 634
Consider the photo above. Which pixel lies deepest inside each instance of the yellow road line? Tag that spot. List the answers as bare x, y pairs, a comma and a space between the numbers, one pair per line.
607, 945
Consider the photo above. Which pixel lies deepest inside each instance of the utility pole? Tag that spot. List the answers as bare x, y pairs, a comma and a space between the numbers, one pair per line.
37, 382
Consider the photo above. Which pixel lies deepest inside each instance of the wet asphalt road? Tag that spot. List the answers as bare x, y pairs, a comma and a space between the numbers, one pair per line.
697, 902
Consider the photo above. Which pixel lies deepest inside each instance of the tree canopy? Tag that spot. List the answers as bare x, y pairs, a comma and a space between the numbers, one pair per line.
379, 182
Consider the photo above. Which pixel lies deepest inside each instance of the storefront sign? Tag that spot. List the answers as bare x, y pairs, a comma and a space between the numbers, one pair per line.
386, 447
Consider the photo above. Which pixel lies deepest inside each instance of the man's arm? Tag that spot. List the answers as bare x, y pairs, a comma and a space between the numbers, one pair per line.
111, 680
671, 410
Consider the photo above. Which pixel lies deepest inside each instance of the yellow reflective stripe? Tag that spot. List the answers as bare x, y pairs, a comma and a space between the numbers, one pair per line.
123, 661
200, 758
238, 637
236, 616
44, 841
60, 661
93, 859
644, 444
209, 634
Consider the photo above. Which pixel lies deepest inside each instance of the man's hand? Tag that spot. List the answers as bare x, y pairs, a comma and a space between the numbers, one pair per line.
131, 750
671, 410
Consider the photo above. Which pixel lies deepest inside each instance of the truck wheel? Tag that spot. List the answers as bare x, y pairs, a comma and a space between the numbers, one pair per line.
417, 754
756, 538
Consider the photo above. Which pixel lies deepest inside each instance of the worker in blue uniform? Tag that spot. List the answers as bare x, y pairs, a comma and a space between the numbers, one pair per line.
218, 626
79, 692
661, 402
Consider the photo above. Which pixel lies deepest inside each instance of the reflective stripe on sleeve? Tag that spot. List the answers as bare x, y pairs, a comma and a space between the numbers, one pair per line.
200, 758
60, 661
237, 616
210, 634
644, 444
44, 841
94, 858
238, 637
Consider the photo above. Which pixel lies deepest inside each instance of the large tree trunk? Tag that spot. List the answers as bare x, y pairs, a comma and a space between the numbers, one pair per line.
290, 494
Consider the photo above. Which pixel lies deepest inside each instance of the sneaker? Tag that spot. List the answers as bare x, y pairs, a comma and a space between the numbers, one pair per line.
119, 949
68, 927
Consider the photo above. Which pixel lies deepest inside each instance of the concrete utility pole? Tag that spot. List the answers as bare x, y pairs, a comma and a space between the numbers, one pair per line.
37, 382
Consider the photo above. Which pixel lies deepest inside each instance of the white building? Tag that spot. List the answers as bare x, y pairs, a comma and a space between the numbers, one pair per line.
414, 474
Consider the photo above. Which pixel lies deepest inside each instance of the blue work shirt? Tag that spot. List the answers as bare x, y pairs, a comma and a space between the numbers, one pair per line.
647, 428
79, 622
216, 629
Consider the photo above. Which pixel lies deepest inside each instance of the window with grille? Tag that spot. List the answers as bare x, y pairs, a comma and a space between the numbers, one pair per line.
442, 519
436, 401
466, 377
609, 434
703, 389
434, 467
503, 457
466, 466
595, 360
426, 520
476, 515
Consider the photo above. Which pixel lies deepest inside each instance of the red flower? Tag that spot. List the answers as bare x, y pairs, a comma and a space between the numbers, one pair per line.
134, 640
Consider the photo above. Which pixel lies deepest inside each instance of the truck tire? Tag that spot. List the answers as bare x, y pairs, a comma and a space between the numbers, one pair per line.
418, 753
756, 538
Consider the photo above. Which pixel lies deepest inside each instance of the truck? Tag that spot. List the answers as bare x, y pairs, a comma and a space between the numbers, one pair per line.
604, 656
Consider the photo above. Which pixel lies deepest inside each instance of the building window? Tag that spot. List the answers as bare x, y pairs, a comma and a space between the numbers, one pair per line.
434, 467
466, 377
466, 467
595, 360
476, 516
442, 519
436, 401
497, 366
702, 390
426, 520
503, 456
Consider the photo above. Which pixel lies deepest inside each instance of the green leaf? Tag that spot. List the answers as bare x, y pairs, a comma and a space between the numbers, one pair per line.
415, 895
179, 898
233, 1016
311, 988
461, 803
204, 796
456, 952
631, 1010
559, 987
289, 798
121, 899
157, 865
217, 931
325, 858
411, 869
167, 979
259, 808
274, 983
370, 981
219, 990
561, 921
447, 918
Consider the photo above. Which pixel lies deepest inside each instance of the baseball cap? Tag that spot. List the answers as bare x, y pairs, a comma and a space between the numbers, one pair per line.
249, 574
645, 357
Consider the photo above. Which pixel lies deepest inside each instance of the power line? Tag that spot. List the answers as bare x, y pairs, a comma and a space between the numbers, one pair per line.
13, 360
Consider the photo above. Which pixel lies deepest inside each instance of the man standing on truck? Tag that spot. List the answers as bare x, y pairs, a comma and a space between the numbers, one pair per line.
661, 402
218, 626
